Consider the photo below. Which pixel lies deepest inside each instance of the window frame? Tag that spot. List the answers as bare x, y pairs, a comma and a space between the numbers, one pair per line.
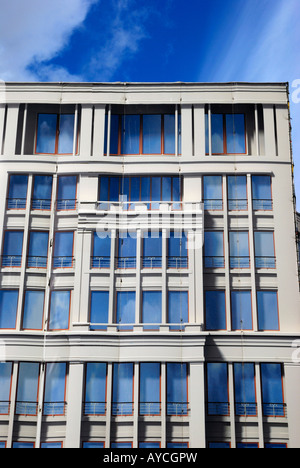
5, 231
70, 305
224, 134
225, 310
10, 389
66, 256
37, 389
38, 256
160, 390
187, 373
17, 305
233, 291
86, 413
57, 134
76, 191
65, 389
42, 200
181, 328
8, 192
23, 309
258, 312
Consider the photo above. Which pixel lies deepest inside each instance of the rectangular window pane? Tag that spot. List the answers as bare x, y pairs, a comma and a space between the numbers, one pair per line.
46, 133
135, 183
217, 389
114, 134
121, 445
146, 445
5, 379
23, 445
261, 193
272, 389
27, 393
176, 192
99, 309
42, 192
95, 389
66, 192
166, 189
212, 192
145, 189
17, 191
66, 133
178, 309
244, 386
51, 445
114, 189
177, 396
122, 401
93, 445
241, 310
169, 134
264, 249
127, 250
59, 310
152, 308
214, 249
12, 249
54, 398
130, 143
152, 134
177, 250
33, 310
215, 310
63, 249
125, 309
156, 192
235, 134
101, 250
237, 192
8, 308
38, 249
149, 389
152, 250
267, 306
239, 249
104, 189
217, 136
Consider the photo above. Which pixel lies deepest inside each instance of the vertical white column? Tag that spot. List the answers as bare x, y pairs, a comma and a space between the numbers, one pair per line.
187, 135
112, 292
99, 129
256, 130
231, 405
11, 129
209, 131
108, 404
2, 122
292, 385
74, 409
164, 318
86, 130
199, 129
259, 405
197, 406
136, 405
252, 254
163, 405
226, 255
13, 397
24, 130
40, 405
269, 129
138, 293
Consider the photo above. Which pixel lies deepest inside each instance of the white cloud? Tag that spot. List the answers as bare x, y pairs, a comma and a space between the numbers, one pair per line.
32, 32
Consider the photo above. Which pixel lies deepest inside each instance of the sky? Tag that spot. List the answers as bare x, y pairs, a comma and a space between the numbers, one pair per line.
155, 41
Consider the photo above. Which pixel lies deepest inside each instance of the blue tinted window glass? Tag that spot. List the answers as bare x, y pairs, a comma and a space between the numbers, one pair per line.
214, 249
179, 134
215, 310
114, 134
99, 309
17, 191
63, 245
217, 383
178, 308
149, 445
8, 308
267, 306
33, 310
177, 245
38, 244
152, 134
212, 192
135, 188
244, 383
176, 189
102, 243
127, 245
46, 133
176, 388
261, 188
149, 388
59, 310
55, 386
175, 445
145, 188
241, 309
23, 445
103, 192
42, 192
152, 244
13, 243
169, 134
264, 243
114, 189
239, 249
95, 388
130, 143
219, 445
156, 189
51, 445
122, 398
152, 307
66, 193
121, 445
272, 390
217, 136
66, 133
5, 379
28, 384
235, 133
166, 189
125, 309
93, 445
237, 192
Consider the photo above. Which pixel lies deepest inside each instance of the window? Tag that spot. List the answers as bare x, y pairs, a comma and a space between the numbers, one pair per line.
272, 390
8, 308
241, 310
215, 310
127, 250
12, 249
28, 383
5, 379
23, 445
247, 445
239, 249
17, 192
143, 134
66, 193
125, 310
177, 250
55, 134
59, 310
217, 389
228, 134
275, 445
264, 249
121, 445
122, 401
63, 249
99, 310
93, 445
152, 250
55, 385
214, 249
101, 250
237, 193
42, 192
51, 445
244, 386
178, 309
262, 193
33, 312
177, 389
219, 445
136, 191
150, 392
213, 192
267, 308
152, 309
38, 249
177, 445
95, 389
145, 445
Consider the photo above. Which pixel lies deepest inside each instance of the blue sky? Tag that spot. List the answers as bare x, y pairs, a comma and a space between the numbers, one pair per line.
154, 41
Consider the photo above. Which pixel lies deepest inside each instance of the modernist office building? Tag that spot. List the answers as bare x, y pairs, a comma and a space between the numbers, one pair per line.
149, 291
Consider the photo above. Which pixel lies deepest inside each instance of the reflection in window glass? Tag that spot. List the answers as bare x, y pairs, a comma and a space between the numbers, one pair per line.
66, 134
122, 399
152, 134
152, 309
125, 309
217, 388
46, 133
235, 133
33, 310
12, 249
42, 192
38, 249
27, 394
54, 397
149, 389
59, 310
178, 309
267, 308
95, 388
99, 309
5, 379
17, 191
177, 396
130, 142
215, 310
241, 310
66, 193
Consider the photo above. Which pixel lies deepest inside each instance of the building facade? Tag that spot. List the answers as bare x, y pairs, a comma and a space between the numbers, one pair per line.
149, 292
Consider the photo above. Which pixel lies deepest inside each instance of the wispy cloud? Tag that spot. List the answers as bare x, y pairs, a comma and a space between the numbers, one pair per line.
33, 32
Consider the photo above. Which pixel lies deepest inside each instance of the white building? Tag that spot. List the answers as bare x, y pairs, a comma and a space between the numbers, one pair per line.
111, 337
